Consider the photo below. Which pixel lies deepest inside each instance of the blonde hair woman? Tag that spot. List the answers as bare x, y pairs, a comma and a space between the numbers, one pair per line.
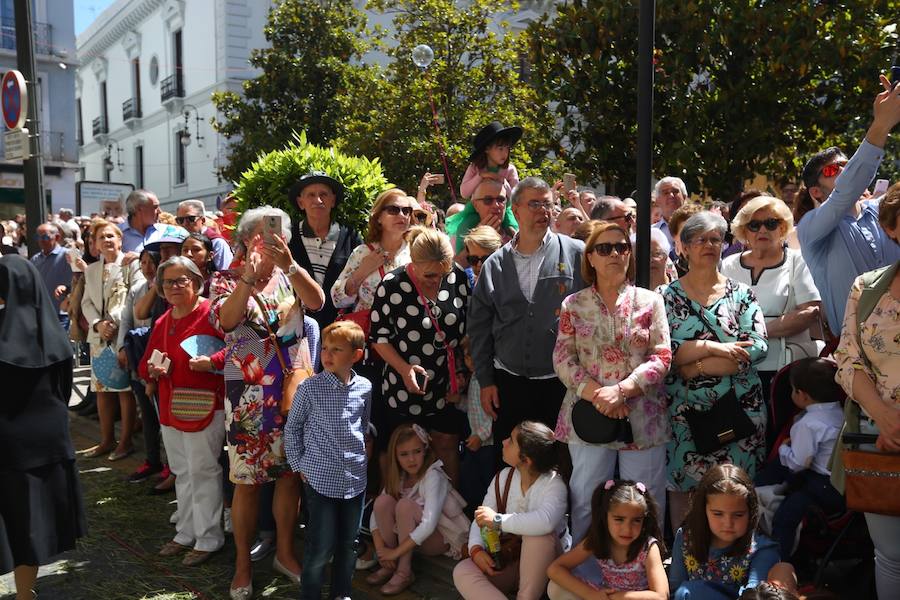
780, 279
418, 321
105, 290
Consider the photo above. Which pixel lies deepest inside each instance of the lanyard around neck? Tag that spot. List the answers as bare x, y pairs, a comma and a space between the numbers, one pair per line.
439, 336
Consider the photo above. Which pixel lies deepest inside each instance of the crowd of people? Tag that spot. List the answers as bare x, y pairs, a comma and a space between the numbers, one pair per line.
489, 384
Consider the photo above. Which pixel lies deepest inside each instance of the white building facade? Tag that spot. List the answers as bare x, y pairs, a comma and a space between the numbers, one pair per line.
54, 51
148, 71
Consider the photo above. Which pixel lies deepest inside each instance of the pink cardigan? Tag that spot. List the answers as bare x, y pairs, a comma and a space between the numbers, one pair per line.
473, 178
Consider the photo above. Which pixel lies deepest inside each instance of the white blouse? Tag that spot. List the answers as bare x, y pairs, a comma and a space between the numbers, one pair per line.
365, 295
779, 290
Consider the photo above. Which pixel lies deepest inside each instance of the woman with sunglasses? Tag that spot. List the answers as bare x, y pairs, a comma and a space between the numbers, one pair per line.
718, 337
385, 250
480, 243
780, 279
418, 321
613, 350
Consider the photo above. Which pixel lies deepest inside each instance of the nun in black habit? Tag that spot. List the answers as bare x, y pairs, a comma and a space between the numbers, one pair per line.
41, 512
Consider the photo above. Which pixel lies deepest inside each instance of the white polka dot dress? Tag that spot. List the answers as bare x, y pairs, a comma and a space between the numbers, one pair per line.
400, 319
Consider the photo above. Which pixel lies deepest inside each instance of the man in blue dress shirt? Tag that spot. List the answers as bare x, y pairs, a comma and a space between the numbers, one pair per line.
841, 239
55, 271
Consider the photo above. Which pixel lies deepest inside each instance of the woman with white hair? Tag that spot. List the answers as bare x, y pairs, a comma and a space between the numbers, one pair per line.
190, 409
780, 279
718, 338
662, 269
245, 304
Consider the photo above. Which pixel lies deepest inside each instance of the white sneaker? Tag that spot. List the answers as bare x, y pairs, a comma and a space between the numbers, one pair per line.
173, 519
226, 520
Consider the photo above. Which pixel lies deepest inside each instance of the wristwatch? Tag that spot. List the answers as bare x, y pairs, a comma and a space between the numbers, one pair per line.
498, 519
293, 269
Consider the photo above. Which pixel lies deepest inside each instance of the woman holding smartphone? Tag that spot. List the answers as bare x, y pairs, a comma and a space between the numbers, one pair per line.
418, 320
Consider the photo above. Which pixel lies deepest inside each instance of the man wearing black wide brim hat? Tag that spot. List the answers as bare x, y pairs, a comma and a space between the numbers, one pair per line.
318, 244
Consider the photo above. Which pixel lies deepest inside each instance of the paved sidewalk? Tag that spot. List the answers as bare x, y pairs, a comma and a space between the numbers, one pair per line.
126, 527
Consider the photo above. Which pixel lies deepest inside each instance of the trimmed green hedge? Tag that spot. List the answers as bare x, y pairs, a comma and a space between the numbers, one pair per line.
268, 180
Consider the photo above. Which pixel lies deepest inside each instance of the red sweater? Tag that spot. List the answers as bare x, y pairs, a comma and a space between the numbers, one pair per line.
167, 335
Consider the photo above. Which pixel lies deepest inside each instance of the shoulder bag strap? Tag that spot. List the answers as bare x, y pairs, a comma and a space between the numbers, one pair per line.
272, 336
501, 504
700, 316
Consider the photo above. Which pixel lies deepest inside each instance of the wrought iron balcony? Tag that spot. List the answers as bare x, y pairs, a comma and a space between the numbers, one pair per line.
131, 109
171, 87
43, 36
99, 126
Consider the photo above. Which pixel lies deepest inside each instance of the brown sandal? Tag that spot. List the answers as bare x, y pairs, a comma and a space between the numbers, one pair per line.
172, 548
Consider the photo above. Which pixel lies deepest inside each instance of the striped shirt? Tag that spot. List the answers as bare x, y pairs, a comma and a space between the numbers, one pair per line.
325, 434
318, 249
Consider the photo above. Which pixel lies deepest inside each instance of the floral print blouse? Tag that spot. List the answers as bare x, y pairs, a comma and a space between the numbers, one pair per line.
873, 348
365, 296
631, 341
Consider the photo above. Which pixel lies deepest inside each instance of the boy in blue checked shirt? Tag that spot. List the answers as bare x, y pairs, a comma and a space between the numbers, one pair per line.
324, 442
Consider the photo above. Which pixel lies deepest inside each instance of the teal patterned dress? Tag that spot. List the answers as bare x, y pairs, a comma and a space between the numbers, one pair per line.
736, 316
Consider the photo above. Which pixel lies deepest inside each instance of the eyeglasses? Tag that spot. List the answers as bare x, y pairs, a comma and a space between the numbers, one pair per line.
605, 249
832, 169
179, 283
658, 255
395, 210
491, 200
769, 224
536, 205
702, 241
474, 259
187, 219
628, 218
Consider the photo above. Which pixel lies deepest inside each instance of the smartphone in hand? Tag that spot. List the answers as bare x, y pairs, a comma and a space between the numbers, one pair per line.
568, 182
271, 228
881, 186
421, 379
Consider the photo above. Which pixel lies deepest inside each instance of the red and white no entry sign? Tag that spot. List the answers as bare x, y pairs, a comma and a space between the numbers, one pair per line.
14, 99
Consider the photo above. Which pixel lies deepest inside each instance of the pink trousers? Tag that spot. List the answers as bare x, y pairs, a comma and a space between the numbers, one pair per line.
528, 575
396, 520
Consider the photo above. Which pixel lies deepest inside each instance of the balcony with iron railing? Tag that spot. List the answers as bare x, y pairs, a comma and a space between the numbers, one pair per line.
131, 110
99, 126
43, 36
52, 146
171, 87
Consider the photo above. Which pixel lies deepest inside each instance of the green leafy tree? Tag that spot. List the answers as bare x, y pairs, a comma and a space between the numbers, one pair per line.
740, 87
269, 178
473, 80
316, 47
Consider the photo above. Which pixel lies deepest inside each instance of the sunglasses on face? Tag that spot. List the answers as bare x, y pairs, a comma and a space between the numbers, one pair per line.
395, 210
188, 219
474, 259
491, 200
605, 249
769, 224
421, 216
832, 169
627, 217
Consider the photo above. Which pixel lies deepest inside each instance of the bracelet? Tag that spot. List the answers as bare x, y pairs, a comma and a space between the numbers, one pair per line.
699, 364
251, 283
474, 550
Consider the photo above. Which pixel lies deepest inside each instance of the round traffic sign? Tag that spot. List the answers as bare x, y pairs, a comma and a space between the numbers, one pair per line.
14, 99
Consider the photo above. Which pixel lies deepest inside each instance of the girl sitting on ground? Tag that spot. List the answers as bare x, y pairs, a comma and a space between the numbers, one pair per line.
718, 554
418, 510
625, 540
527, 500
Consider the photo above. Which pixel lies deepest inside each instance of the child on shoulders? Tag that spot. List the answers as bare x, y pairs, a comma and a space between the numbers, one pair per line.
805, 455
625, 540
490, 158
718, 554
418, 510
324, 442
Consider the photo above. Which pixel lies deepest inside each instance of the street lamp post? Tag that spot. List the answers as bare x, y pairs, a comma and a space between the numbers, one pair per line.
35, 209
645, 138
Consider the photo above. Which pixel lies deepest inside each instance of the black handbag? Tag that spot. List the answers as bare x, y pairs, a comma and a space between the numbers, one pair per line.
725, 421
594, 427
